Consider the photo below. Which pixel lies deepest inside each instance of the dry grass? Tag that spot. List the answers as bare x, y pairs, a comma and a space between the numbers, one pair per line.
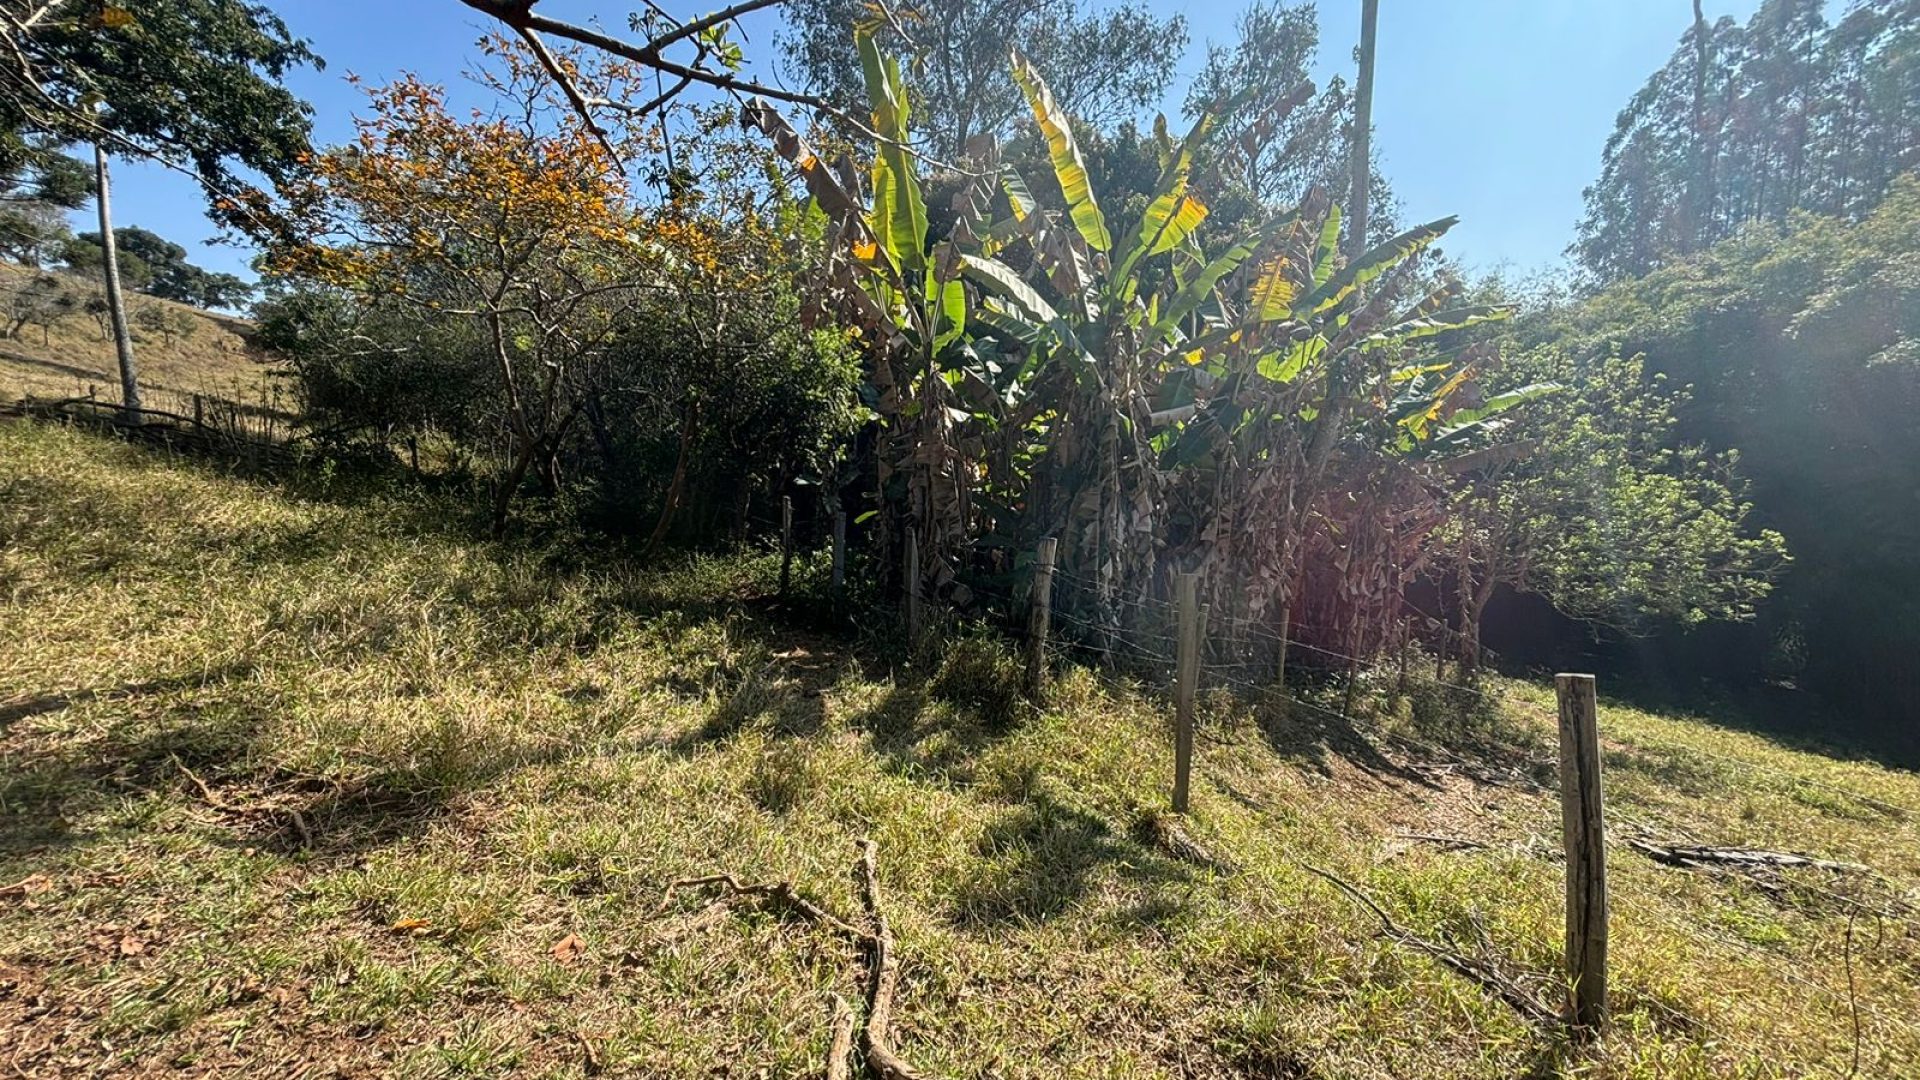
310, 786
216, 360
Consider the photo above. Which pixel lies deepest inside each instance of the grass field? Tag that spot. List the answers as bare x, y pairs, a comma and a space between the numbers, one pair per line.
298, 782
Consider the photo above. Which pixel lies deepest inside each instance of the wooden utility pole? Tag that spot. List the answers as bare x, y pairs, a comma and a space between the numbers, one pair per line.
1584, 832
1362, 163
1040, 616
1186, 683
116, 303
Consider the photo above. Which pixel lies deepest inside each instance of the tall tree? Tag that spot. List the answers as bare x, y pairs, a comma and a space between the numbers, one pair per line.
1276, 139
195, 84
1110, 63
1749, 123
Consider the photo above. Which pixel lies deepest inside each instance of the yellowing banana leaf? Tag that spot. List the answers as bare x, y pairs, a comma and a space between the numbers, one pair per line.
1068, 167
1272, 296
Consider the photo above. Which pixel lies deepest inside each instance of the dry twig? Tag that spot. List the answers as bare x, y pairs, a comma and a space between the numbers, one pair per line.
875, 938
1482, 969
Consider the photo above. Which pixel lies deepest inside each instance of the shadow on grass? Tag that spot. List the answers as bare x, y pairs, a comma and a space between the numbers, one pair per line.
1043, 857
1312, 736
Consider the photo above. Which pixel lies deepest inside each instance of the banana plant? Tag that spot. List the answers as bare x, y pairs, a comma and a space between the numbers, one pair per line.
905, 300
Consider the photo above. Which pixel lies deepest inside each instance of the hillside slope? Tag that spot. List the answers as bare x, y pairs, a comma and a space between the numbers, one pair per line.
209, 354
301, 783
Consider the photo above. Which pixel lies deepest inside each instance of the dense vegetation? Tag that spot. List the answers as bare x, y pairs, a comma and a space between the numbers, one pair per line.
1801, 345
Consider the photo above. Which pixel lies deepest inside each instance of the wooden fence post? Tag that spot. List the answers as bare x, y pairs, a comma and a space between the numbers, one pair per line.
786, 542
839, 554
199, 412
1584, 832
1187, 683
1040, 616
912, 583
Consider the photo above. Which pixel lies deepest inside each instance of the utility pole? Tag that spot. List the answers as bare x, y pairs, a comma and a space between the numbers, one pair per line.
116, 303
1362, 133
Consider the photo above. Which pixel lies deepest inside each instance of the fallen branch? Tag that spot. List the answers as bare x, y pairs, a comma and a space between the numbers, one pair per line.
840, 1053
1697, 857
1482, 969
1457, 843
875, 939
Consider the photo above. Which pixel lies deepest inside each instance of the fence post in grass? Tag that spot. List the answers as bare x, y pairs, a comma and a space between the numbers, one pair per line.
199, 412
1040, 616
912, 584
839, 554
1186, 588
1584, 832
786, 542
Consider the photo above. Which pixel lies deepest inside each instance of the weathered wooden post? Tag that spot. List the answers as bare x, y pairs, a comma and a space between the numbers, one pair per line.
1186, 684
1584, 832
912, 584
199, 412
786, 542
1040, 616
839, 554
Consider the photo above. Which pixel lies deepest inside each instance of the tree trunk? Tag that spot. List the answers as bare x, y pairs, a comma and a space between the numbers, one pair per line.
116, 304
676, 490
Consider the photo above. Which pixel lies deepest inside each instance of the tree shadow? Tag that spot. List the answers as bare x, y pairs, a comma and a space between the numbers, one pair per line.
1313, 736
1043, 857
57, 700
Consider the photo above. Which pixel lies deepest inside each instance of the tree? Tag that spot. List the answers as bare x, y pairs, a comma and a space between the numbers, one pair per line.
1110, 63
159, 317
38, 185
163, 269
1595, 505
1151, 404
1751, 123
523, 224
1276, 139
37, 300
1801, 345
116, 304
196, 84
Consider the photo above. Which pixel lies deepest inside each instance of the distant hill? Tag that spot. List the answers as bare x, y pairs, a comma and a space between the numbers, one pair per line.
182, 352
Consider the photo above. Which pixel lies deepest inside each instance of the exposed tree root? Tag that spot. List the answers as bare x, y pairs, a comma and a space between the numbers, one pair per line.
874, 939
1483, 967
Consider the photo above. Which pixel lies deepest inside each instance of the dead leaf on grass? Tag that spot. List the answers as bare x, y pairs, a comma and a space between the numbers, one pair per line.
415, 927
568, 949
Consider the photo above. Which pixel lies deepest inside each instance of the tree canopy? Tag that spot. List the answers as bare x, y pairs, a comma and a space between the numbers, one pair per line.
1749, 123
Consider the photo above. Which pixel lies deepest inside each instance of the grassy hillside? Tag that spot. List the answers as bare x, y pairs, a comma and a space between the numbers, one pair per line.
297, 782
215, 358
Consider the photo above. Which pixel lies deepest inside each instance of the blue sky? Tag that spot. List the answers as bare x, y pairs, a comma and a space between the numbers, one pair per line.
1491, 109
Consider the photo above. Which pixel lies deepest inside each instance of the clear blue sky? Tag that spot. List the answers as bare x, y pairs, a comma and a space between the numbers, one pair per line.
1491, 109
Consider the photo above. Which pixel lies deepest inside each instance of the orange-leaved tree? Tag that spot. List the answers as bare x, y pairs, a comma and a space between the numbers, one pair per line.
524, 220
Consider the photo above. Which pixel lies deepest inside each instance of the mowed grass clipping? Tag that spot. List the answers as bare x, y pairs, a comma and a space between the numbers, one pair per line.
306, 786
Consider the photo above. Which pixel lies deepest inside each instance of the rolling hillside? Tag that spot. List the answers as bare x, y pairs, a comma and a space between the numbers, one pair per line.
211, 354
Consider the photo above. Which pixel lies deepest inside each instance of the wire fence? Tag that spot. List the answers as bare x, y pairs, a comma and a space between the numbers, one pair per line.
1134, 645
